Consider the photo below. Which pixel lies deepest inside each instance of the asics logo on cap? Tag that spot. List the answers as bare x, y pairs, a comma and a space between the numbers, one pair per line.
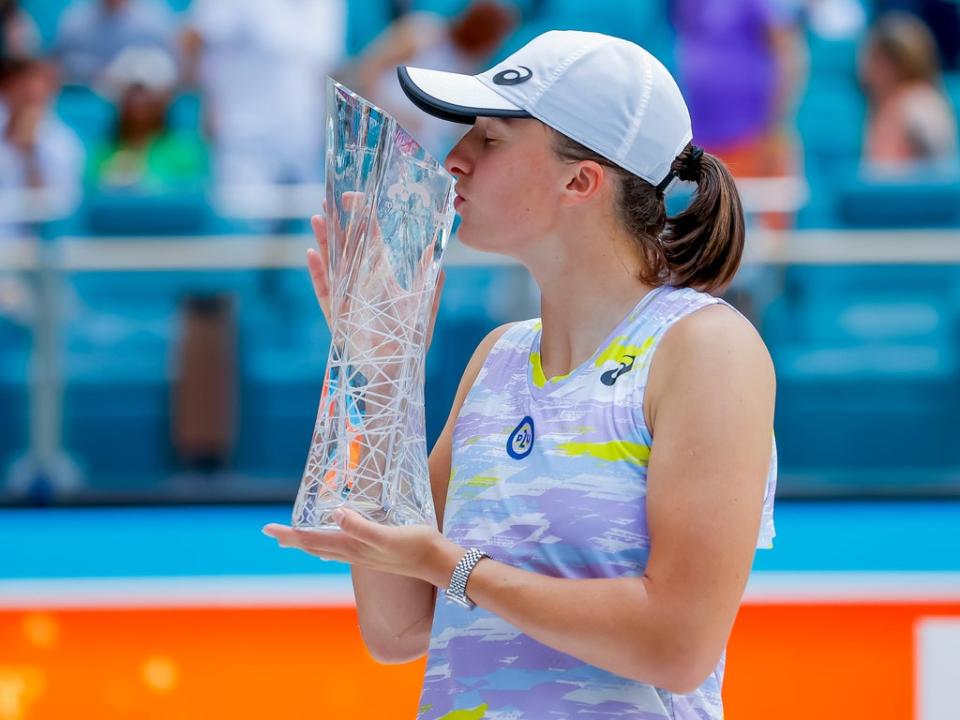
513, 76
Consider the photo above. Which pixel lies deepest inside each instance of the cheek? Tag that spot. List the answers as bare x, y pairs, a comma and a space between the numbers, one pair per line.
514, 204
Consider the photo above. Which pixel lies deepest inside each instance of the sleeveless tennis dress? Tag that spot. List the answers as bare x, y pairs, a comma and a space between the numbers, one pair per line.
549, 475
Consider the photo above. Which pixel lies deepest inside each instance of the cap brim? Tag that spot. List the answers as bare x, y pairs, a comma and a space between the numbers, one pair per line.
454, 97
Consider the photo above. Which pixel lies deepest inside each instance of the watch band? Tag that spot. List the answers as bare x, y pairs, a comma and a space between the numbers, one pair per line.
457, 590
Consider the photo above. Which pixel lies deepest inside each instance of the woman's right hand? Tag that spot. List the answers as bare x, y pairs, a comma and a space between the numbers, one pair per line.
317, 266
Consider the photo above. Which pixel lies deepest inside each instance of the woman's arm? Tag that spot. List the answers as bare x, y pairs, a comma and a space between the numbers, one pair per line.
711, 390
396, 612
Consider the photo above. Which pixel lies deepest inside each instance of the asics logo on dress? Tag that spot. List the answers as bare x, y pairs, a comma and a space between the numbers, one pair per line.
611, 376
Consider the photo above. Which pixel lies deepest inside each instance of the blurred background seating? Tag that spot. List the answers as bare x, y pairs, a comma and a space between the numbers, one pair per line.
169, 125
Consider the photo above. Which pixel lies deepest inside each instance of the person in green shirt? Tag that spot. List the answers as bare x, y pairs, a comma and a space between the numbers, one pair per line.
144, 153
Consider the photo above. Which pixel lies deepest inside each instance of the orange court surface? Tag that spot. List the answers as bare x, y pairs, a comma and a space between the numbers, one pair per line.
784, 661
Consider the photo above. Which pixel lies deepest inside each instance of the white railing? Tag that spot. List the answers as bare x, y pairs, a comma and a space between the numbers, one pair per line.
44, 262
247, 252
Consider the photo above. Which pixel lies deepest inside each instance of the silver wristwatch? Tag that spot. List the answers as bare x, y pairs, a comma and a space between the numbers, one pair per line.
457, 590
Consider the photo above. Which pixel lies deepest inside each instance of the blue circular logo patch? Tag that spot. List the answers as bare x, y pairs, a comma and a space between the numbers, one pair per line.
520, 442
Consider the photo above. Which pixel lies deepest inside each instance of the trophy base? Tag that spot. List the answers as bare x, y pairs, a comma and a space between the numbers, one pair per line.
321, 516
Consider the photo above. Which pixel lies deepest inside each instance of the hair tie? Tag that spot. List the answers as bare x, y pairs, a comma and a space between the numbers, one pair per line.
689, 169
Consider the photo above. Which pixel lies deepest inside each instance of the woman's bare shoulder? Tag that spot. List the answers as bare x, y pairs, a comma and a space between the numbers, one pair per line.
714, 343
715, 328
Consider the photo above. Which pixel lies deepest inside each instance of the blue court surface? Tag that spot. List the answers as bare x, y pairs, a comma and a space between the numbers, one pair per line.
823, 551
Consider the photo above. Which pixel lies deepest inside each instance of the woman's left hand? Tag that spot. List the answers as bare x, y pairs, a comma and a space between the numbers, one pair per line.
417, 551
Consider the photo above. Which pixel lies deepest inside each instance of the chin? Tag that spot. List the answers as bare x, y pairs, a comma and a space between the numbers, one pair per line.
480, 241
467, 237
490, 237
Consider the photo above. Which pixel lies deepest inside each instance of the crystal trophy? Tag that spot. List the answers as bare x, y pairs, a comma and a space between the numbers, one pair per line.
389, 217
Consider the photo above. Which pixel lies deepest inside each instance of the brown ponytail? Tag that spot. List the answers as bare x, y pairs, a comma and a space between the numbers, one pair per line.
703, 244
699, 248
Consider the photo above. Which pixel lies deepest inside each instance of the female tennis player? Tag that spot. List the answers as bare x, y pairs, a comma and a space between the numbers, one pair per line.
607, 471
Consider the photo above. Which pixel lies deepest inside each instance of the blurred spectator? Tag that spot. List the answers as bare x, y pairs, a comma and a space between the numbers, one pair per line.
910, 121
262, 66
37, 151
942, 17
19, 36
93, 32
741, 64
422, 39
144, 153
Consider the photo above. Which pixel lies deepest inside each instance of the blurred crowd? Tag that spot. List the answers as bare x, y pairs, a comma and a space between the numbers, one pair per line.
257, 68
181, 117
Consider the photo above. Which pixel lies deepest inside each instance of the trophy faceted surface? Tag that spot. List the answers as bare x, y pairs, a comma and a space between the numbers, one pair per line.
389, 217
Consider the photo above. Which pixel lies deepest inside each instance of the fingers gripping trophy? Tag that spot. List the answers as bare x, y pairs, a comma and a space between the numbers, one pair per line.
389, 218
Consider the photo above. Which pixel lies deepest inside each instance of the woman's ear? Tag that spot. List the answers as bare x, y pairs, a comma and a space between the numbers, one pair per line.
585, 182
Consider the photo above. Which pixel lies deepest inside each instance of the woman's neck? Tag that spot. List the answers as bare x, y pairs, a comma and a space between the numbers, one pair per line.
585, 292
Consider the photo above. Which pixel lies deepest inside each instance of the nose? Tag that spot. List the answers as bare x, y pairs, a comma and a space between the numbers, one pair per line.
458, 162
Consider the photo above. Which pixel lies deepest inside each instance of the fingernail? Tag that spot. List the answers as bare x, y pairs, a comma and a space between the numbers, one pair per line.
338, 516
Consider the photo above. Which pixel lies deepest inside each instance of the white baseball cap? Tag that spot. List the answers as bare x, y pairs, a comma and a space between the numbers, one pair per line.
608, 94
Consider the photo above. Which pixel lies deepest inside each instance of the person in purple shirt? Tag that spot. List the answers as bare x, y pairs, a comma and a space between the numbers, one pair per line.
740, 63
